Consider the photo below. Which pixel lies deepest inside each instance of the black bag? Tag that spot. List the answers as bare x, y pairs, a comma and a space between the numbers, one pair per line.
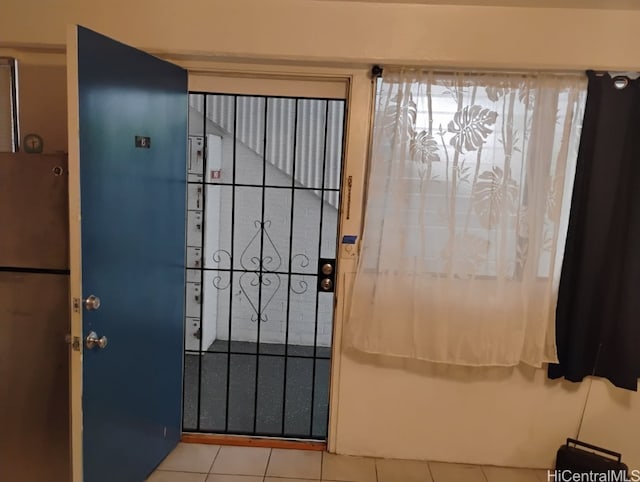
572, 459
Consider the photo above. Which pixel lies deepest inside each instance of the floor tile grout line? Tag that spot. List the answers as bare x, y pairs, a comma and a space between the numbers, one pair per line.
266, 467
178, 472
536, 474
236, 474
215, 457
277, 477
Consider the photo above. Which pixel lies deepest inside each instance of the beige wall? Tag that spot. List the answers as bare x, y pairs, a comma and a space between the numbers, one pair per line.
491, 416
343, 31
511, 417
43, 104
42, 97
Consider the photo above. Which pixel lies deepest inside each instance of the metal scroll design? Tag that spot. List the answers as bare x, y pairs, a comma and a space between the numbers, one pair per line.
259, 271
302, 261
218, 257
270, 283
269, 259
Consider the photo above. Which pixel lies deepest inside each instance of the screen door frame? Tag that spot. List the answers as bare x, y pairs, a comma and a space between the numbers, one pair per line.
355, 85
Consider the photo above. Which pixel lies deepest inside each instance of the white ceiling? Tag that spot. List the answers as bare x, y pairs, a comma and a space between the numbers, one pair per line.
590, 4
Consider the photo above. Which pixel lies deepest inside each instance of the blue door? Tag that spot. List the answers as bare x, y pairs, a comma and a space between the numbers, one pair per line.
132, 121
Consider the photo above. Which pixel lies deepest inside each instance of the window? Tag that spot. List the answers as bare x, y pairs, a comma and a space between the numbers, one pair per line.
466, 216
469, 168
8, 105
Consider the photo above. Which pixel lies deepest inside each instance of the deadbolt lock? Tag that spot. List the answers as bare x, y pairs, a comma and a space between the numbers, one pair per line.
326, 284
326, 274
327, 269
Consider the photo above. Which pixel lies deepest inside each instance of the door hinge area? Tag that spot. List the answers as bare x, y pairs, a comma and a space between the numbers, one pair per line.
74, 341
76, 305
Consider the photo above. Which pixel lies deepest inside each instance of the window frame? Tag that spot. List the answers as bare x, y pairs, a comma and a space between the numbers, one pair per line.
13, 101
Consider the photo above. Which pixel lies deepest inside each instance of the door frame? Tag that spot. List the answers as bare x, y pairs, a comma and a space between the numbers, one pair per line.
358, 88
75, 257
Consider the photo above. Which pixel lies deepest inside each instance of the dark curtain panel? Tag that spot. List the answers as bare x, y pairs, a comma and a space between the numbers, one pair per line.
598, 311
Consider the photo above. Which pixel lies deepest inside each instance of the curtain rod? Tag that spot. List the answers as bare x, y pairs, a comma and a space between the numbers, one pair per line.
377, 71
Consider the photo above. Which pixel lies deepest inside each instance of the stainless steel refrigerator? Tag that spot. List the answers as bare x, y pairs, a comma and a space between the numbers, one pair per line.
34, 318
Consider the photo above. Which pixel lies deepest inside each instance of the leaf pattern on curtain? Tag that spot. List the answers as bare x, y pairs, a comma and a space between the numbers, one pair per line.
399, 117
497, 91
493, 195
553, 200
467, 204
424, 150
471, 127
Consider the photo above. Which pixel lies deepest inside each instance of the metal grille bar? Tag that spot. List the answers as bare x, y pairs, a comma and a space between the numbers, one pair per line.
278, 152
302, 140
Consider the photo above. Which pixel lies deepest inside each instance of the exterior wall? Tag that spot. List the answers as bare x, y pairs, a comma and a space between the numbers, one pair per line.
218, 294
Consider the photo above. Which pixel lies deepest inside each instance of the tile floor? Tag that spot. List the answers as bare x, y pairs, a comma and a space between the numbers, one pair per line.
212, 463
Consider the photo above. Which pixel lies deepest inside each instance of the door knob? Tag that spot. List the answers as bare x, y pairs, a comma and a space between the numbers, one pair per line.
92, 341
91, 303
327, 269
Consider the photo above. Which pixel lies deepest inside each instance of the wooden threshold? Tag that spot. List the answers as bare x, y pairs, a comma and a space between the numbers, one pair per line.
239, 440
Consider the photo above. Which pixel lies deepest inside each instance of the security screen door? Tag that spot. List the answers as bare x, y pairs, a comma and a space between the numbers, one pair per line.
264, 177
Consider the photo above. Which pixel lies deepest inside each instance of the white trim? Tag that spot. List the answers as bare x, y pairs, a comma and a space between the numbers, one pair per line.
75, 254
34, 57
274, 85
357, 131
260, 80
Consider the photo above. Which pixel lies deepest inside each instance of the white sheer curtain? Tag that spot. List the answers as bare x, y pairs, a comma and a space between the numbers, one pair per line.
467, 209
